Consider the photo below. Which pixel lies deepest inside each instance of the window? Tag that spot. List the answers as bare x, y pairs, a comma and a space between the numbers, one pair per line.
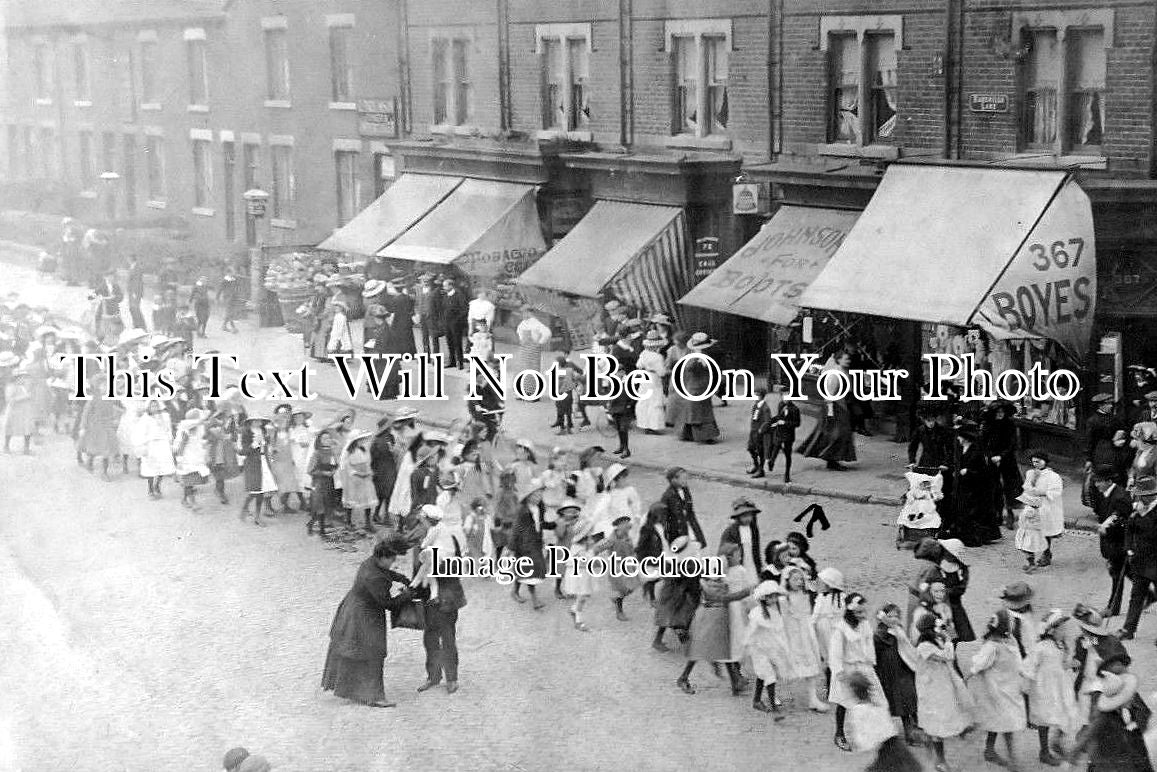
16, 154
126, 85
1086, 88
341, 71
150, 94
251, 171
129, 172
42, 70
881, 68
81, 69
109, 152
453, 91
276, 65
155, 167
49, 152
86, 167
202, 174
701, 64
844, 83
283, 182
566, 77
1042, 74
348, 186
385, 170
229, 191
198, 72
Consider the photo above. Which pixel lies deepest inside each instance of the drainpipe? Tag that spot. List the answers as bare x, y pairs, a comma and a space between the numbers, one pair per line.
505, 119
773, 67
405, 105
626, 75
1153, 101
953, 50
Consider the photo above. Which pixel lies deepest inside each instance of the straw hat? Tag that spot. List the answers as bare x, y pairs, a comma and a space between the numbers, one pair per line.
766, 589
1090, 620
954, 548
654, 340
196, 414
373, 288
660, 319
1116, 691
700, 342
1016, 595
134, 335
1053, 619
832, 577
1144, 486
433, 435
357, 436
432, 512
568, 504
46, 329
583, 528
407, 414
743, 506
612, 472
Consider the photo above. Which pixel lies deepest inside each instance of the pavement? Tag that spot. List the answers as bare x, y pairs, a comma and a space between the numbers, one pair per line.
876, 478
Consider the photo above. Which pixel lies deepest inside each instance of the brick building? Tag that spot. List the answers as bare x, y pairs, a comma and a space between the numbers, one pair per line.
193, 102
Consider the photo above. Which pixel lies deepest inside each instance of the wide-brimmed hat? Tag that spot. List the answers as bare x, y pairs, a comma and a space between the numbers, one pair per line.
660, 319
632, 323
433, 435
406, 414
1030, 500
133, 335
1090, 620
196, 414
1144, 486
46, 329
955, 548
356, 437
832, 577
568, 504
526, 444
8, 359
298, 411
1102, 398
654, 340
1053, 619
743, 506
373, 287
449, 480
1116, 691
700, 341
766, 589
582, 529
256, 419
1016, 595
612, 305
612, 472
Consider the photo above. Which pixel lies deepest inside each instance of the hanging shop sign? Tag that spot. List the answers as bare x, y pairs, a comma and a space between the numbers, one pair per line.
378, 118
749, 198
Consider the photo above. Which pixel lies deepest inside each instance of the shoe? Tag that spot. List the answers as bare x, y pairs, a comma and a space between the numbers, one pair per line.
757, 475
685, 686
836, 466
1030, 569
582, 626
843, 744
660, 647
619, 615
943, 767
1046, 559
992, 757
752, 470
428, 685
1125, 635
617, 451
625, 454
762, 707
787, 481
1048, 759
558, 594
451, 687
383, 704
817, 706
518, 597
539, 606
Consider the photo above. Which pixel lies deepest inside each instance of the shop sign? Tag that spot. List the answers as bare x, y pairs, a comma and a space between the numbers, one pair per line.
378, 117
706, 257
749, 198
255, 207
988, 103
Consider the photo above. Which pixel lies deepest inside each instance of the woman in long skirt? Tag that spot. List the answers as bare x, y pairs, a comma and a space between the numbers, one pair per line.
695, 420
358, 637
301, 437
281, 461
154, 436
97, 435
19, 416
258, 477
650, 412
831, 439
533, 339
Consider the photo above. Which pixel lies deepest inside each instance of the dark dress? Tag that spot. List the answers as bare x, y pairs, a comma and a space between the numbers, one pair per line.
384, 465
1113, 746
831, 439
378, 336
956, 584
357, 647
678, 599
896, 677
973, 517
694, 420
998, 436
401, 338
526, 541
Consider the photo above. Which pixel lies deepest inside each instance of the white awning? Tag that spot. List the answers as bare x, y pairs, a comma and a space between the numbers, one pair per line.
394, 212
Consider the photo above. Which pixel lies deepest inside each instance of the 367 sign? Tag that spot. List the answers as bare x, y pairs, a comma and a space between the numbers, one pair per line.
1049, 289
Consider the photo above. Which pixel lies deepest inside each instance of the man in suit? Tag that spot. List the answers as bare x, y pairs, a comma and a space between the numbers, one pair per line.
1113, 509
759, 433
1140, 552
428, 305
108, 312
744, 531
784, 422
454, 309
681, 518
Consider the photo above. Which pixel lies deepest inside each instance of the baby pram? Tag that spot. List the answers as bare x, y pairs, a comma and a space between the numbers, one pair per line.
918, 516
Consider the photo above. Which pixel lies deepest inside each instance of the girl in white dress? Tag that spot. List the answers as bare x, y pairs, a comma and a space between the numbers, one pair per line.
191, 456
852, 649
126, 429
577, 582
154, 437
1052, 697
803, 647
1044, 482
765, 644
650, 412
301, 437
942, 698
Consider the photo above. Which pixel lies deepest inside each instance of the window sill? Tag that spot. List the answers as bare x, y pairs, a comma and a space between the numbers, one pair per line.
1035, 159
150, 107
156, 204
42, 102
844, 150
351, 106
197, 108
573, 136
280, 104
710, 142
466, 130
285, 224
201, 211
87, 194
82, 103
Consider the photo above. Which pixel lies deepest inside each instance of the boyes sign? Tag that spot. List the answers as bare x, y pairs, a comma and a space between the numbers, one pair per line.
1049, 289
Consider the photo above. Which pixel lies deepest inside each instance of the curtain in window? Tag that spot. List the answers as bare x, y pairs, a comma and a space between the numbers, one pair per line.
1090, 110
580, 76
554, 116
844, 73
717, 66
1041, 116
686, 72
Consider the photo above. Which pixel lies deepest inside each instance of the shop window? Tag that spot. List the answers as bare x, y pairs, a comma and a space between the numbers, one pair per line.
348, 186
276, 65
1086, 94
150, 93
155, 167
284, 182
340, 66
198, 67
202, 174
82, 71
86, 161
453, 89
1042, 69
701, 70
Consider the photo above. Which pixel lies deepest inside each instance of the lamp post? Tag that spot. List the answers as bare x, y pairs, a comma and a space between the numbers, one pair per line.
255, 202
110, 193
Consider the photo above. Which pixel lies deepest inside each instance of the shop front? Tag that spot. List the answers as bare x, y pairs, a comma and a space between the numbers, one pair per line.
997, 263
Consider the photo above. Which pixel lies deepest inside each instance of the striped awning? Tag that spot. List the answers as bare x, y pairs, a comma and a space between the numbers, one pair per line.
635, 252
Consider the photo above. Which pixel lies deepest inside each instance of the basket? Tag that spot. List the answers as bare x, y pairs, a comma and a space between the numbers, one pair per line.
290, 300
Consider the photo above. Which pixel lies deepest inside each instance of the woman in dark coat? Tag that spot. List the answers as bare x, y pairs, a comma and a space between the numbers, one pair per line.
895, 659
357, 648
376, 336
695, 420
954, 575
221, 433
831, 439
973, 516
526, 542
400, 307
998, 436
